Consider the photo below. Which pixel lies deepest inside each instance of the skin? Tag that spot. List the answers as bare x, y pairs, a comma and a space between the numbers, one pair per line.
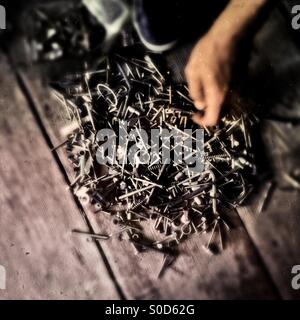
210, 66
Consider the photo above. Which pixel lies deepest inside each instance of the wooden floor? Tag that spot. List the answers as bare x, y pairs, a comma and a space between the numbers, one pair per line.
43, 260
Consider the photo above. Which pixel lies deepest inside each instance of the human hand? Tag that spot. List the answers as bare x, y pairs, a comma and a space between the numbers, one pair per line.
210, 66
208, 74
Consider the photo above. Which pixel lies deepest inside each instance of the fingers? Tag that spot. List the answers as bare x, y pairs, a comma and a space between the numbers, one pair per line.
214, 100
197, 93
209, 97
196, 89
197, 118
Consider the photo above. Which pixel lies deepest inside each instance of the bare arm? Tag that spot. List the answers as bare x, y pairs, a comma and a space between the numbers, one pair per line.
209, 69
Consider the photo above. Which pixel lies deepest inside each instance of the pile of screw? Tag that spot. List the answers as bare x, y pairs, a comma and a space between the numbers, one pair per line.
173, 201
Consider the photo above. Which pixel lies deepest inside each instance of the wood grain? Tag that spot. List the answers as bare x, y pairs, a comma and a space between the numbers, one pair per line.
43, 260
275, 231
275, 86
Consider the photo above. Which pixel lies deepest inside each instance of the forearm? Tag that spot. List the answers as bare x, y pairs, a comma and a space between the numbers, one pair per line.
210, 67
238, 18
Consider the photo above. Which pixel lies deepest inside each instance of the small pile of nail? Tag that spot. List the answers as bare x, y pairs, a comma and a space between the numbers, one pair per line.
169, 198
62, 32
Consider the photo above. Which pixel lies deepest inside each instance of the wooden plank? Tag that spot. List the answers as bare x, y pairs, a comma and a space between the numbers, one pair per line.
275, 75
275, 231
236, 273
43, 260
276, 234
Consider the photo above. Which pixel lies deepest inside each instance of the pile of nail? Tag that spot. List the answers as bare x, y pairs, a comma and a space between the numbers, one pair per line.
157, 205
